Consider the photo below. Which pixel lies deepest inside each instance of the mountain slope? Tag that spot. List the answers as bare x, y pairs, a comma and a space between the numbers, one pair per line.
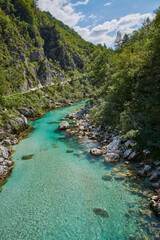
35, 48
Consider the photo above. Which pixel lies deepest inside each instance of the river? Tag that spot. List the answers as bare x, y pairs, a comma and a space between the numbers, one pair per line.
52, 195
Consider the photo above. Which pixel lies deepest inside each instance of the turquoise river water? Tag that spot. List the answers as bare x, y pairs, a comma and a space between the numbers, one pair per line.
52, 195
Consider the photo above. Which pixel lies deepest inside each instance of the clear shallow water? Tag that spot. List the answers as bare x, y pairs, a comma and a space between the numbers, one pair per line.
52, 195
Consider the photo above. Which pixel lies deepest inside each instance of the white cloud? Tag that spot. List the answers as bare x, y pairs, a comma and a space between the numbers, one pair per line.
92, 16
106, 32
80, 3
63, 10
107, 4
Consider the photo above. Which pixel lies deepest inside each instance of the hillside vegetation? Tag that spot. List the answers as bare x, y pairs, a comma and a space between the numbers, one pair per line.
36, 49
128, 80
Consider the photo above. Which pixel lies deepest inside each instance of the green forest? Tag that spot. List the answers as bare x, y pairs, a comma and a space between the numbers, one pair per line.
128, 85
124, 82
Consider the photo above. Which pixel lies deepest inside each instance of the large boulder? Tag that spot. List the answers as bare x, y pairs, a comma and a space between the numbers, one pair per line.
64, 125
132, 156
112, 157
96, 152
127, 153
113, 147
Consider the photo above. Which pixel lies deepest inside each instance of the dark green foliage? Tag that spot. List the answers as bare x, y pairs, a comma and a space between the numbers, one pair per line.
129, 86
3, 86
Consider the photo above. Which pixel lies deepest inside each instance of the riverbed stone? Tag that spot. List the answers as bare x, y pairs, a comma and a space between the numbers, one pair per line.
96, 152
112, 157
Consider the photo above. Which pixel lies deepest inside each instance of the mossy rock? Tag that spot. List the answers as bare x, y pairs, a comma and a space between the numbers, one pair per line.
27, 157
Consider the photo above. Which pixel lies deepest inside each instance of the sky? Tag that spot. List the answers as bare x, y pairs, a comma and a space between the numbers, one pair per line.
98, 21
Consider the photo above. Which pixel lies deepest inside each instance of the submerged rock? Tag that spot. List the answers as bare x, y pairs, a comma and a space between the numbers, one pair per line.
54, 122
112, 157
101, 212
107, 177
26, 157
69, 151
96, 152
64, 125
120, 176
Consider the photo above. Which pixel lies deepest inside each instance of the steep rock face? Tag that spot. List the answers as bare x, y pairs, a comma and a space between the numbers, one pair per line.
55, 50
47, 73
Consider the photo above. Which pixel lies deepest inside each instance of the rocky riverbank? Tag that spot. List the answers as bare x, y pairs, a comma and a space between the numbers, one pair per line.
116, 149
